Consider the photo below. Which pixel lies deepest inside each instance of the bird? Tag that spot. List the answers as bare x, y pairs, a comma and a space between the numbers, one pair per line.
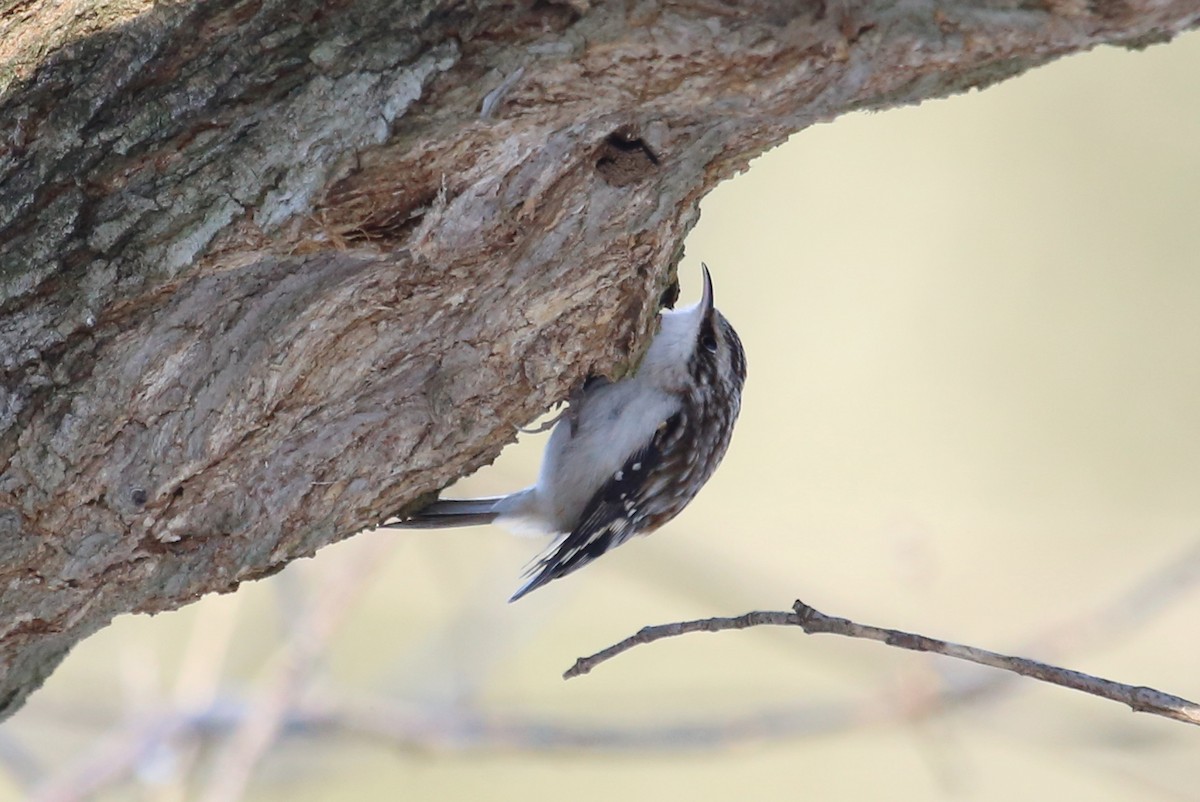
626, 456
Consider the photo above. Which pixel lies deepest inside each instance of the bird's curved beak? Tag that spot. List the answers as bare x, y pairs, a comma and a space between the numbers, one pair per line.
706, 298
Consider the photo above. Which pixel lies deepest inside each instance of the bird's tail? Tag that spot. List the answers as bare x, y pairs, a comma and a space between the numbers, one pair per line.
449, 512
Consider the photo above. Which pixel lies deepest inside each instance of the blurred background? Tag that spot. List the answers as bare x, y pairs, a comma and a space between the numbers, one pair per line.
973, 411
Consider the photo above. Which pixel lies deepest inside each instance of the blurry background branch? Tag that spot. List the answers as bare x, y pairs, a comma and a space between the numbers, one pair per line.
160, 741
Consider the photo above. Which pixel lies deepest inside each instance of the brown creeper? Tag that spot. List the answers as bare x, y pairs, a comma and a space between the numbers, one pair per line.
627, 456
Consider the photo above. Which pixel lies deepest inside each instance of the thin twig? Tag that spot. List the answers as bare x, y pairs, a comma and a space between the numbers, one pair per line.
1139, 698
650, 634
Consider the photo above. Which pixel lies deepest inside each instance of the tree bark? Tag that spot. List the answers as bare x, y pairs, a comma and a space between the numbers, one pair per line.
271, 271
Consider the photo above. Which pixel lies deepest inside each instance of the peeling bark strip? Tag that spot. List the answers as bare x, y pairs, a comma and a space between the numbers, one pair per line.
270, 271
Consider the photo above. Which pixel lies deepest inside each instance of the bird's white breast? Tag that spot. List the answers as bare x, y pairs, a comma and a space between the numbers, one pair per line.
607, 426
592, 442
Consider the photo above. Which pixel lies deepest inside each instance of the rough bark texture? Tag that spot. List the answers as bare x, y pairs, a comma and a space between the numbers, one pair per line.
272, 270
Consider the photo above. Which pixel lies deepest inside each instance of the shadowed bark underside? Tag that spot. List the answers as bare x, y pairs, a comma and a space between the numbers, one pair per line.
271, 271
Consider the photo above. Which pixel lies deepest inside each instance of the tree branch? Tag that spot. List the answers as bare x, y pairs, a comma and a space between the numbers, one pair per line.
1140, 698
272, 272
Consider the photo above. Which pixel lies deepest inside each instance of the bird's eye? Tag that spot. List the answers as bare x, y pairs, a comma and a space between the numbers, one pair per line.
709, 341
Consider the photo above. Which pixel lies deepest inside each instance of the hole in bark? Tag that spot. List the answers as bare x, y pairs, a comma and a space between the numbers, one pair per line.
381, 204
138, 496
394, 221
624, 158
670, 295
558, 14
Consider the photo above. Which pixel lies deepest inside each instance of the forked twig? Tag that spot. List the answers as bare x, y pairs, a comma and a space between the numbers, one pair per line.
1139, 698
